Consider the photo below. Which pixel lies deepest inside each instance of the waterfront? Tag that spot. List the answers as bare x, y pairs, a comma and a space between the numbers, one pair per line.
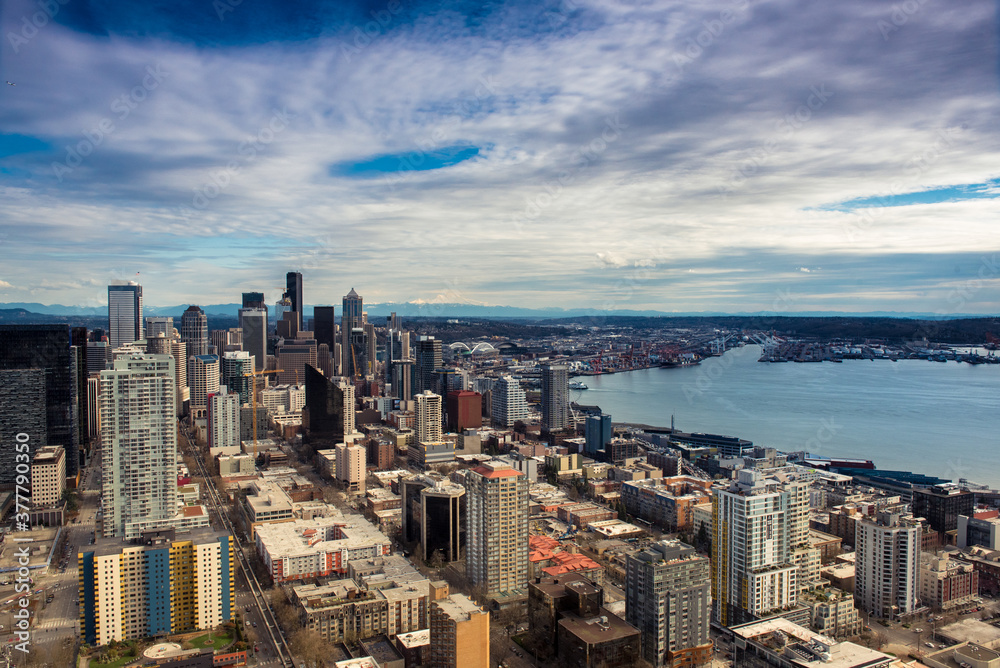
926, 417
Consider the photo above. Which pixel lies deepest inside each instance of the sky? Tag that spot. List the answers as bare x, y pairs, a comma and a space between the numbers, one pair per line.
725, 155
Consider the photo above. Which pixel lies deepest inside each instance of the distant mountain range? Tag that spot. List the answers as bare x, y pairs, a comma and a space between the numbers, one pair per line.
427, 310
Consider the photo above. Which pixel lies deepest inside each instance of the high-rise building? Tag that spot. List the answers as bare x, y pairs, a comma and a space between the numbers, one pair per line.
497, 529
402, 379
294, 355
93, 407
236, 368
39, 393
351, 467
223, 423
194, 331
253, 322
460, 634
433, 515
178, 350
293, 291
555, 397
48, 475
667, 598
159, 586
325, 326
941, 505
509, 402
98, 356
254, 300
124, 313
351, 318
204, 379
428, 360
156, 325
752, 569
465, 411
138, 444
428, 417
226, 340
598, 433
329, 409
887, 565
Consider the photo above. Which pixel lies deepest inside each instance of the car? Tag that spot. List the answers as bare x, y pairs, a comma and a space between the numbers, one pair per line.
929, 644
248, 622
918, 630
255, 624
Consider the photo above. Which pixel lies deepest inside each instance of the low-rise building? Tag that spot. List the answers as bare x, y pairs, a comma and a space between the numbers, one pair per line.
581, 515
667, 502
779, 642
832, 612
946, 584
320, 547
601, 641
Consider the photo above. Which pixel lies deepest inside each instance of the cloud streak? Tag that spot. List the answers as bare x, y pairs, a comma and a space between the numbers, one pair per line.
525, 200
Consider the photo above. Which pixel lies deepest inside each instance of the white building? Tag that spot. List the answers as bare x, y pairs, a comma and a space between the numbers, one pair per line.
757, 519
887, 566
138, 444
282, 399
428, 417
224, 423
204, 381
509, 402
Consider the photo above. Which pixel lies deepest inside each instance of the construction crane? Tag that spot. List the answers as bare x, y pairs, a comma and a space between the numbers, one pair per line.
253, 375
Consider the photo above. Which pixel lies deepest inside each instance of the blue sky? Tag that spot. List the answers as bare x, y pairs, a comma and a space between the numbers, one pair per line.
725, 155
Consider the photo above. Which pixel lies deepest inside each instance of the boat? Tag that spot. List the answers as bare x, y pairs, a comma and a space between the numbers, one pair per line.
577, 385
689, 359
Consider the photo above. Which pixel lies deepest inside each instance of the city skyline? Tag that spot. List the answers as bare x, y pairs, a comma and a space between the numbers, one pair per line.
732, 156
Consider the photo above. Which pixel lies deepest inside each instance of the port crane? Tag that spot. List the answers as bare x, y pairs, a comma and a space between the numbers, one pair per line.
718, 346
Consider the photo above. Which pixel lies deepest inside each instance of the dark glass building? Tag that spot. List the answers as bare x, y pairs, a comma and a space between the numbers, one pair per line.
26, 350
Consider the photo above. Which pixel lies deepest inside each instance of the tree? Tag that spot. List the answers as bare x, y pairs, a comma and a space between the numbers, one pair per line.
308, 645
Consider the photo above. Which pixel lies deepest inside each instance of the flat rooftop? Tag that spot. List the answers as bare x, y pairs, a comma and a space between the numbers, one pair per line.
972, 631
594, 630
797, 639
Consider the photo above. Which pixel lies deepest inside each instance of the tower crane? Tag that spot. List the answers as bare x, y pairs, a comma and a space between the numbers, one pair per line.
253, 375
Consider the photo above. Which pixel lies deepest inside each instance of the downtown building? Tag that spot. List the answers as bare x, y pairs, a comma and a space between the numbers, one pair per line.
223, 423
667, 589
139, 449
433, 515
509, 403
555, 397
160, 585
253, 323
43, 392
125, 323
761, 554
496, 556
887, 565
460, 633
204, 379
428, 417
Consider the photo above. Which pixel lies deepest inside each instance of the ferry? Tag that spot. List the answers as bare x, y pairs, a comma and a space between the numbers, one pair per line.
577, 385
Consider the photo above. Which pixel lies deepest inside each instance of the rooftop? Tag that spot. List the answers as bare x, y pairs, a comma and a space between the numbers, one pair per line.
459, 607
595, 630
805, 648
415, 638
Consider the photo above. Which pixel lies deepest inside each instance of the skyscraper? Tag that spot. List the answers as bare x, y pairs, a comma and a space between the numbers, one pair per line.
887, 566
194, 331
204, 381
223, 422
667, 598
752, 569
124, 313
40, 371
509, 402
497, 529
427, 361
138, 444
156, 325
329, 406
324, 326
351, 318
555, 393
293, 290
428, 417
254, 300
598, 432
253, 322
235, 367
